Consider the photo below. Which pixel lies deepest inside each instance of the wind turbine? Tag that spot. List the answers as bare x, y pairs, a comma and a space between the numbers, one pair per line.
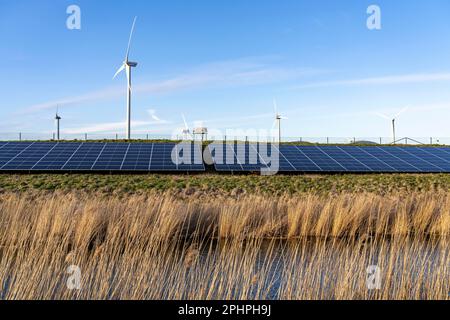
393, 119
57, 118
278, 119
127, 65
186, 132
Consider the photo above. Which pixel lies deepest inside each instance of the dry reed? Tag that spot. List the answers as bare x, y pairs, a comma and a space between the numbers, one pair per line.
162, 247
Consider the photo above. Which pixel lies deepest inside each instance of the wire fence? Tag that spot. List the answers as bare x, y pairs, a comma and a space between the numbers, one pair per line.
23, 136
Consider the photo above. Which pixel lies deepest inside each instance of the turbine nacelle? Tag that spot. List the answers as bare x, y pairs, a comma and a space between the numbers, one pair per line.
57, 117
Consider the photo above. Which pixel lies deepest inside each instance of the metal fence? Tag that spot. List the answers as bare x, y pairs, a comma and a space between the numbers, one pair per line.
301, 140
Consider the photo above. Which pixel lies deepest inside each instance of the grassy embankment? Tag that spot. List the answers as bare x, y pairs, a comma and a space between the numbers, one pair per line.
216, 185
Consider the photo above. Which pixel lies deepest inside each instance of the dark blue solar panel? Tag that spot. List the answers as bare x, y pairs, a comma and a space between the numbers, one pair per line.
189, 157
162, 158
84, 157
238, 157
58, 157
419, 164
10, 151
27, 158
339, 159
433, 156
444, 150
138, 157
385, 155
292, 159
368, 159
109, 157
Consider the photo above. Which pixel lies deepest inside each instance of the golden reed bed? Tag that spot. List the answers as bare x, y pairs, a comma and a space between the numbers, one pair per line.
161, 247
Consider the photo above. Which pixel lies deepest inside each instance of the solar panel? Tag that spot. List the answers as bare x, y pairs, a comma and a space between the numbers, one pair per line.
56, 157
100, 157
332, 159
84, 157
228, 157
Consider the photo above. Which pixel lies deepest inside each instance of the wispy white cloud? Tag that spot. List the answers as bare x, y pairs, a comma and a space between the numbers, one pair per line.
242, 72
152, 113
110, 127
387, 80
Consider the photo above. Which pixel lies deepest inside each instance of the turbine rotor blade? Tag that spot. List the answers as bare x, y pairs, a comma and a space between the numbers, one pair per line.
275, 106
185, 123
129, 40
382, 115
119, 71
401, 112
274, 125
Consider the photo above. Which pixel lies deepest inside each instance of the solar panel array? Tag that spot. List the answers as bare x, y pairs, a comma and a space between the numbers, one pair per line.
171, 157
145, 157
329, 159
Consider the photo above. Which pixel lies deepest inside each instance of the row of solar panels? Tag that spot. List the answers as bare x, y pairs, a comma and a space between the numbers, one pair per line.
98, 157
187, 157
330, 159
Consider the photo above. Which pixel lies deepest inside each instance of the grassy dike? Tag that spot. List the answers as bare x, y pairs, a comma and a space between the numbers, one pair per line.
215, 184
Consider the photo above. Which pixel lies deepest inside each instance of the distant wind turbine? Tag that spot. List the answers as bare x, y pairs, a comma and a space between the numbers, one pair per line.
393, 119
278, 119
127, 65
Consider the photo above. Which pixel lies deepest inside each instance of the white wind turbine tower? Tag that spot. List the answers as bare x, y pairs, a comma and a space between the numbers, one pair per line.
278, 119
393, 119
57, 119
127, 65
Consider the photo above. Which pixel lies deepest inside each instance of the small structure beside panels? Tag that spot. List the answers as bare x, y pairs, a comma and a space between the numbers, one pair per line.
100, 157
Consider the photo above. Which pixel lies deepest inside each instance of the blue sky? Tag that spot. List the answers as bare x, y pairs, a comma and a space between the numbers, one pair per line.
224, 62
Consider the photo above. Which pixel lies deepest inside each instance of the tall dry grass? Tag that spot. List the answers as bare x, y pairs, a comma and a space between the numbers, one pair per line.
161, 247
